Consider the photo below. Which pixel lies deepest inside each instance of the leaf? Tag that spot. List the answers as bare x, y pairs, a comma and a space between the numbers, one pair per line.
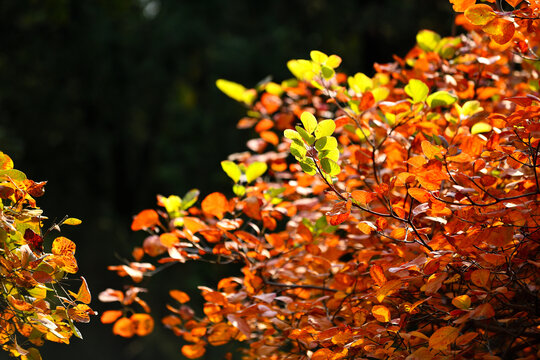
301, 69
441, 98
480, 14
83, 295
500, 30
428, 40
480, 278
462, 302
330, 167
298, 150
110, 316
339, 212
189, 199
480, 127
72, 221
143, 323
308, 166
462, 5
363, 197
377, 274
443, 337
325, 128
235, 91
193, 351
255, 170
318, 56
215, 204
326, 143
387, 289
323, 354
419, 195
327, 72
431, 151
124, 327
417, 90
309, 121
292, 135
145, 219
381, 313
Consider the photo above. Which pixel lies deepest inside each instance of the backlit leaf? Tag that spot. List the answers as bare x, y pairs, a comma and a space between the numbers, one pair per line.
428, 40
110, 316
215, 204
193, 351
377, 274
462, 302
381, 313
232, 170
143, 323
480, 14
235, 91
462, 5
330, 167
255, 170
480, 127
441, 98
417, 90
430, 150
72, 221
309, 121
325, 128
145, 219
124, 327
500, 30
480, 278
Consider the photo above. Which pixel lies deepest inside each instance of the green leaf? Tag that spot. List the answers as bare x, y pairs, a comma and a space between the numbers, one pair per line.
428, 40
318, 56
310, 139
308, 165
292, 135
480, 127
327, 72
362, 133
330, 167
231, 89
12, 174
232, 170
417, 90
255, 170
326, 143
332, 154
309, 121
298, 150
441, 98
325, 128
190, 198
470, 108
239, 190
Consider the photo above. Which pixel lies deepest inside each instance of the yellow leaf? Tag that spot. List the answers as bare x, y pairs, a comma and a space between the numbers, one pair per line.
72, 221
462, 302
381, 313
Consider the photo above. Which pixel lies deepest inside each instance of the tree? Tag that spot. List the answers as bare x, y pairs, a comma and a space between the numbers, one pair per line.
35, 301
386, 216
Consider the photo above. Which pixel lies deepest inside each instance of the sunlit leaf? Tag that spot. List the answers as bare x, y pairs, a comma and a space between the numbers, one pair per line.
381, 313
145, 219
110, 316
500, 30
417, 90
480, 127
309, 121
215, 204
325, 128
124, 327
480, 14
193, 351
462, 302
72, 221
255, 170
330, 167
441, 98
428, 40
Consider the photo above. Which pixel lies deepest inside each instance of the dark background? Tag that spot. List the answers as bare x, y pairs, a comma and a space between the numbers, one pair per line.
114, 101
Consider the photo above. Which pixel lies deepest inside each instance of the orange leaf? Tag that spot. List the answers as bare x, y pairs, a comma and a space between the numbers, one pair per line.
366, 227
480, 14
387, 289
462, 302
339, 212
63, 246
322, 354
215, 204
443, 337
466, 338
270, 137
83, 295
193, 351
381, 313
145, 219
168, 239
363, 197
480, 278
252, 207
420, 195
124, 327
143, 323
377, 274
110, 316
462, 5
179, 296
430, 150
483, 311
500, 30
194, 224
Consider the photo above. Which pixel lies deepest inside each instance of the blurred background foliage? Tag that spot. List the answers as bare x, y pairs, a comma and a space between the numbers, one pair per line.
114, 101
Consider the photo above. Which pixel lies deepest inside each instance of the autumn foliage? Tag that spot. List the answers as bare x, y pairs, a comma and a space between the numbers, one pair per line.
392, 216
35, 302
